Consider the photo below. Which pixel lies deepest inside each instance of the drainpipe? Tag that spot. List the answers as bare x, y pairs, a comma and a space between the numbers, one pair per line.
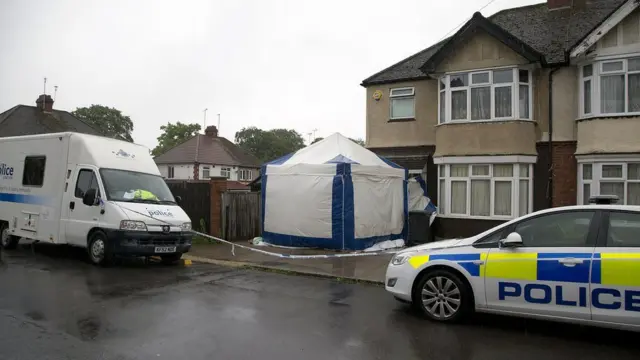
550, 184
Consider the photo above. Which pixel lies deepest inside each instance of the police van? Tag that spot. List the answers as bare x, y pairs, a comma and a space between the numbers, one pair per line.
576, 264
97, 193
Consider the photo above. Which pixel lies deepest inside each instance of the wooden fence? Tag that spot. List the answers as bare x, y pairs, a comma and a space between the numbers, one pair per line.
196, 201
241, 216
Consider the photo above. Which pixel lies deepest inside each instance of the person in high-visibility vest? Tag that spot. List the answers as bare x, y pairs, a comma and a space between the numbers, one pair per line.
144, 195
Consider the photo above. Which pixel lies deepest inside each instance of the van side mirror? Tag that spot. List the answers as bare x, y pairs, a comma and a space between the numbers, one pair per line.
178, 199
512, 240
90, 197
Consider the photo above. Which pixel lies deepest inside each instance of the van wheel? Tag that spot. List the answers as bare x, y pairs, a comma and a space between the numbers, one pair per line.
442, 296
7, 240
171, 259
99, 252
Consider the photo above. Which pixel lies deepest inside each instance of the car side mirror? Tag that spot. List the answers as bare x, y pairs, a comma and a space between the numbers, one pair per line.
90, 197
178, 199
512, 240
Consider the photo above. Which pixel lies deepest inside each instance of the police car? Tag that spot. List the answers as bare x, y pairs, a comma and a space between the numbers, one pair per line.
576, 264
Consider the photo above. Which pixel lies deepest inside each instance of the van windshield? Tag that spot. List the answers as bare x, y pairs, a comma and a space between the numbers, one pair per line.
131, 186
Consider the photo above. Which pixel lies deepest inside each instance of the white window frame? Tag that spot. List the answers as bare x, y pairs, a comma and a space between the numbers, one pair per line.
171, 172
208, 170
597, 74
515, 94
402, 96
444, 175
597, 178
245, 175
225, 172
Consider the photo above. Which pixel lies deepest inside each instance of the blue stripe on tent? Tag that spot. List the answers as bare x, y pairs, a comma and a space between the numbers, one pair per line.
24, 199
405, 228
341, 159
299, 241
337, 206
349, 216
263, 189
390, 163
281, 160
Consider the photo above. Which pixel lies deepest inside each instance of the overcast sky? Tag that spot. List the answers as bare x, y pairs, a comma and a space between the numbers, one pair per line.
267, 63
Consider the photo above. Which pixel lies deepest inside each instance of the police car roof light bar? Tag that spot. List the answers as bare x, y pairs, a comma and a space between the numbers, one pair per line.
604, 199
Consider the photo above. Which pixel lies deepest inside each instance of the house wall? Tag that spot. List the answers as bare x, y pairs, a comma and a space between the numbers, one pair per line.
565, 103
478, 52
180, 171
216, 171
608, 135
381, 132
489, 138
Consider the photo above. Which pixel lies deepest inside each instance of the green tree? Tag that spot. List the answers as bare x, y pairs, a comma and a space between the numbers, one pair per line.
109, 121
174, 134
268, 145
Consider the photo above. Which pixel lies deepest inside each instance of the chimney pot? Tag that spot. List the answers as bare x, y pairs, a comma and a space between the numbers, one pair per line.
45, 103
211, 131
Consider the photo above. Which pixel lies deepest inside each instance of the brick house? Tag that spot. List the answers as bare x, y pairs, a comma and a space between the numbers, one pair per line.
206, 156
532, 107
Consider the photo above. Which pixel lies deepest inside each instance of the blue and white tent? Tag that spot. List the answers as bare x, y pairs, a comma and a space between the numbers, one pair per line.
334, 194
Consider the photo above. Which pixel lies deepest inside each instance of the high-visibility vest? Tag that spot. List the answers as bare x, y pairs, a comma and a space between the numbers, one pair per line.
144, 194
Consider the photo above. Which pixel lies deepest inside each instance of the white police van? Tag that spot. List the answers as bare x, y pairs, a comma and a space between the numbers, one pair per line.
83, 190
576, 264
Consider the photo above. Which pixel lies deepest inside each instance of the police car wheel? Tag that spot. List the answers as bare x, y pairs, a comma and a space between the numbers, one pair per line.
7, 241
442, 296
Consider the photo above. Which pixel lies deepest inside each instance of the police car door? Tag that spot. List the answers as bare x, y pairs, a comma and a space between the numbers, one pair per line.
548, 274
615, 287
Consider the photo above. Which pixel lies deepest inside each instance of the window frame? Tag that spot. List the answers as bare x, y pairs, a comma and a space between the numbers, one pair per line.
226, 170
95, 177
603, 239
171, 172
208, 170
445, 200
593, 235
597, 178
24, 170
243, 175
514, 85
597, 73
402, 96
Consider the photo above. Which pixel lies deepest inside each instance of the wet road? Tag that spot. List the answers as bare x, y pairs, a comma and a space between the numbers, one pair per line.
53, 305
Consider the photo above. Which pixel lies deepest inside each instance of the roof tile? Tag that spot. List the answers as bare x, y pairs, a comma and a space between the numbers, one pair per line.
208, 150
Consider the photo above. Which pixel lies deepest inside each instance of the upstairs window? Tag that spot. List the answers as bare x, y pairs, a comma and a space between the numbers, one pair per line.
402, 103
206, 172
499, 94
246, 175
610, 88
225, 172
170, 172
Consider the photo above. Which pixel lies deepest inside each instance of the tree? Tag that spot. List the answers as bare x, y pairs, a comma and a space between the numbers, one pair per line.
357, 141
109, 121
174, 134
268, 145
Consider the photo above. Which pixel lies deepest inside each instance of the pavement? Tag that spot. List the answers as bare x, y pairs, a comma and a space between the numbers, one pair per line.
55, 305
363, 268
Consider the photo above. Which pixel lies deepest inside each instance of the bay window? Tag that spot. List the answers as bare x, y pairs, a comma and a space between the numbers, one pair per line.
610, 178
485, 190
498, 94
610, 88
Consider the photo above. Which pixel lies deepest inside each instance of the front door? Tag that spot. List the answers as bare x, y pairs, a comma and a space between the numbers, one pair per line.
615, 294
549, 273
81, 218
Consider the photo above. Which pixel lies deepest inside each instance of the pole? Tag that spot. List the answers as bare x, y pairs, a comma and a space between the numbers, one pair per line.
45, 87
204, 123
218, 123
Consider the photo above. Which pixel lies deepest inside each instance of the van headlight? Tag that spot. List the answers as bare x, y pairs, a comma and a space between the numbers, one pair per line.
186, 226
399, 259
133, 225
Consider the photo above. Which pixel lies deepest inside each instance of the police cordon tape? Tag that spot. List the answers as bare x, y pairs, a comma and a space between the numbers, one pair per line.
270, 253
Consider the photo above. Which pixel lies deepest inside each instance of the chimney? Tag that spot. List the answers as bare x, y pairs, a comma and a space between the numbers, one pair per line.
211, 131
563, 4
45, 103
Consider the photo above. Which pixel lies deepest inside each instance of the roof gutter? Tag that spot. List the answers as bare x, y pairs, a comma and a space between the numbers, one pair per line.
550, 140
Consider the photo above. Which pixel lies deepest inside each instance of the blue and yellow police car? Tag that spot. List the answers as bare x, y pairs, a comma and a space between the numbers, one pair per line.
576, 264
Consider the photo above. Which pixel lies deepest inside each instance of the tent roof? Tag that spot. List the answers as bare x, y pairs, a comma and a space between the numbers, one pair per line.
334, 149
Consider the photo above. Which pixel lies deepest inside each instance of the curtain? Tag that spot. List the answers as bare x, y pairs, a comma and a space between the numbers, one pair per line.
442, 107
481, 197
502, 200
586, 193
459, 105
481, 103
612, 94
612, 171
503, 170
633, 172
459, 170
458, 197
524, 170
524, 101
442, 191
633, 194
587, 97
587, 171
523, 194
613, 188
634, 92
402, 108
503, 101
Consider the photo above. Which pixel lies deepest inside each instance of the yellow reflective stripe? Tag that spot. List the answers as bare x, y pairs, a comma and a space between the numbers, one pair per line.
483, 266
518, 266
620, 269
419, 260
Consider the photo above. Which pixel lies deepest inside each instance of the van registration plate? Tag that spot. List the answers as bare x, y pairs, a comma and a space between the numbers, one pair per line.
165, 249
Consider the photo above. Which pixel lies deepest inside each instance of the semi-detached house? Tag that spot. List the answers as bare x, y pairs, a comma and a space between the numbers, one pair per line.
532, 107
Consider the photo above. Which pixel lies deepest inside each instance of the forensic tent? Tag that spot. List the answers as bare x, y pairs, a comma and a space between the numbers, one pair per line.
333, 194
